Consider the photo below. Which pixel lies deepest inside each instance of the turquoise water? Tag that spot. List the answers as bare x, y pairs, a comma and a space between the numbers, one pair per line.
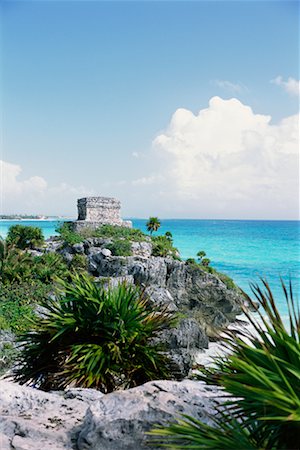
245, 250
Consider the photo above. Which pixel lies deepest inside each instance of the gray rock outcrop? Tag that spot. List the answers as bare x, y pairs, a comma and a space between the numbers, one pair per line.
85, 419
205, 303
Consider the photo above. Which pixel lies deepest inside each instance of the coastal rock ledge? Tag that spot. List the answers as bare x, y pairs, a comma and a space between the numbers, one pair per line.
86, 419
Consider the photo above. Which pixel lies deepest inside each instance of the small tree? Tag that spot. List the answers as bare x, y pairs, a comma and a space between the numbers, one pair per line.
169, 235
201, 254
23, 236
153, 224
205, 262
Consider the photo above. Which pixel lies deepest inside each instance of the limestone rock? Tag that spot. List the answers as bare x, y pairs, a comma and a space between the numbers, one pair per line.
143, 249
85, 419
119, 421
106, 252
35, 420
78, 248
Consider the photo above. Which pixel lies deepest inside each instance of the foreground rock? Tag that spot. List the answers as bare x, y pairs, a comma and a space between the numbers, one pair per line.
86, 419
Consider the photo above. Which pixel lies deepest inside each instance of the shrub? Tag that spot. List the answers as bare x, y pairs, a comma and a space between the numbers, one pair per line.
104, 231
17, 302
191, 262
261, 376
24, 237
163, 246
230, 284
67, 234
18, 267
205, 262
15, 265
120, 248
94, 337
117, 232
79, 263
48, 267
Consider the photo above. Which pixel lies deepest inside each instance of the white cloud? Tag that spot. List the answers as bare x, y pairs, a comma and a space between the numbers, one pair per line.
235, 88
227, 161
34, 195
291, 86
152, 179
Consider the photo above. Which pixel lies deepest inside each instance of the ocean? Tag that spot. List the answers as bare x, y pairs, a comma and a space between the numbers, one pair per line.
243, 249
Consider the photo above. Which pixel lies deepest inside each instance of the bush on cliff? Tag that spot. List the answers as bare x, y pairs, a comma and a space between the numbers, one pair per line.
117, 232
163, 246
71, 237
67, 234
120, 247
94, 337
17, 302
261, 376
17, 266
22, 236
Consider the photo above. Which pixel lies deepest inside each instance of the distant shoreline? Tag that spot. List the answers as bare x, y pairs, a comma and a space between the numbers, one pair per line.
48, 219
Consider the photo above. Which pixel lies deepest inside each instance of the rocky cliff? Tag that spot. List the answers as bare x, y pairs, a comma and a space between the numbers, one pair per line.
203, 301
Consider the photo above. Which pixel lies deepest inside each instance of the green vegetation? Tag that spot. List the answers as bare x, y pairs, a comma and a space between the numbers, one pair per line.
261, 376
93, 337
120, 248
25, 281
202, 260
79, 263
15, 266
67, 235
7, 355
204, 264
23, 237
163, 246
116, 232
105, 231
20, 267
153, 224
17, 304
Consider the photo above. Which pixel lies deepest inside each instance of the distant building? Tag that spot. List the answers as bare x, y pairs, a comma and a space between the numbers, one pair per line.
96, 211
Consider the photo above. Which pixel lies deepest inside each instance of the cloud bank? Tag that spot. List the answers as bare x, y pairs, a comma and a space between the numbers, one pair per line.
227, 161
34, 195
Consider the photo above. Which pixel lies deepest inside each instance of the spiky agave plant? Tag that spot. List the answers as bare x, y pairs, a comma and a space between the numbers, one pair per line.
90, 336
261, 375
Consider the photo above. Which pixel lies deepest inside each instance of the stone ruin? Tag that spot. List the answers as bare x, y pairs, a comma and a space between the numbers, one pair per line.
96, 211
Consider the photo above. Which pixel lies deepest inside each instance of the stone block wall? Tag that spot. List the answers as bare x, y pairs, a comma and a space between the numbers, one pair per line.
96, 211
99, 209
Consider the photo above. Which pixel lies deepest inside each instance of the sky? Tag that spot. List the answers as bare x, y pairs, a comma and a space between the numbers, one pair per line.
179, 109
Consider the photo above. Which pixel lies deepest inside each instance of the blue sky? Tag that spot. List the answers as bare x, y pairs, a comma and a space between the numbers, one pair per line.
88, 86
